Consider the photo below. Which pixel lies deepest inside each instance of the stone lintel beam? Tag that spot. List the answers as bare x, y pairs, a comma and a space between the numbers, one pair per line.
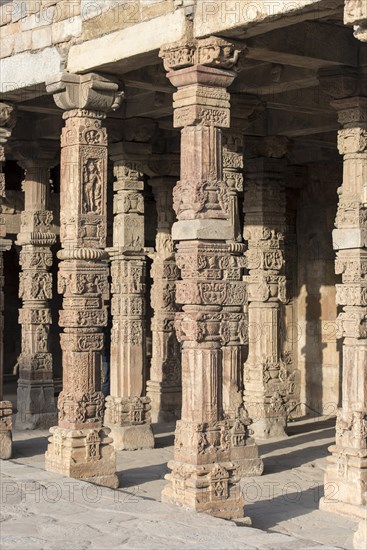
311, 45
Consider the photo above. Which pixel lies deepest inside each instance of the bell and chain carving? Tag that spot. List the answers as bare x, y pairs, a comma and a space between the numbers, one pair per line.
347, 469
83, 278
128, 271
7, 122
210, 448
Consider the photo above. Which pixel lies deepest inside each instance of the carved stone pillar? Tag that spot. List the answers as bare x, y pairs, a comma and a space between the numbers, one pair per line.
235, 326
233, 347
346, 474
127, 409
7, 122
209, 448
164, 386
233, 177
355, 13
269, 385
35, 396
79, 446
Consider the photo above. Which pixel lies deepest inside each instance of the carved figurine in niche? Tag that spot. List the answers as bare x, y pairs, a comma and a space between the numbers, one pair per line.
92, 186
42, 336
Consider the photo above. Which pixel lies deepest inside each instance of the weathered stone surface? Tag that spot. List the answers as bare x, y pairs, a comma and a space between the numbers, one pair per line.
7, 123
360, 536
152, 35
210, 448
346, 475
268, 379
164, 386
35, 398
5, 444
214, 18
27, 69
79, 446
132, 438
126, 406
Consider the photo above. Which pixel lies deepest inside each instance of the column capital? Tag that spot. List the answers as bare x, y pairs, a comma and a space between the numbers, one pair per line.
211, 52
202, 70
88, 91
355, 13
35, 154
8, 115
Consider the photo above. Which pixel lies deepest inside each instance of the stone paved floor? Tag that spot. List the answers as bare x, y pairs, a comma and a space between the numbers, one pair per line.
41, 510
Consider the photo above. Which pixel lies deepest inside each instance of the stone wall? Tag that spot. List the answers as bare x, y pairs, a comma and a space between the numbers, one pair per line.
32, 25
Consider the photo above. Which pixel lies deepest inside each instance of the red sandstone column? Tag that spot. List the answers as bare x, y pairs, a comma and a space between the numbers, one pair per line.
208, 447
36, 406
164, 386
127, 408
268, 378
346, 474
79, 446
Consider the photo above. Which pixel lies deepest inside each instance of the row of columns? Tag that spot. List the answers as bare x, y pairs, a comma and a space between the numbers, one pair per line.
202, 290
7, 122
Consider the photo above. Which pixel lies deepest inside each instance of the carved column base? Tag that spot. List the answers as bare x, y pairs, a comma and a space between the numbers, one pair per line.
166, 401
83, 454
360, 537
129, 421
210, 460
6, 410
132, 438
346, 482
266, 426
249, 463
212, 488
36, 405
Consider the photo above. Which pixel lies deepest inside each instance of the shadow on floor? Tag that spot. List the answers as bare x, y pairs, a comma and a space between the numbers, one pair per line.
164, 434
295, 440
134, 477
26, 448
293, 502
294, 459
296, 428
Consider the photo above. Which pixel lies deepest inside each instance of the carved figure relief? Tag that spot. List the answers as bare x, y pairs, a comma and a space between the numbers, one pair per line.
92, 186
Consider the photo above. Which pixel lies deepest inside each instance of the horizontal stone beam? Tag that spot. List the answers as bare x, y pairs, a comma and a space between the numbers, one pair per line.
26, 70
311, 45
127, 45
274, 79
300, 124
251, 18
